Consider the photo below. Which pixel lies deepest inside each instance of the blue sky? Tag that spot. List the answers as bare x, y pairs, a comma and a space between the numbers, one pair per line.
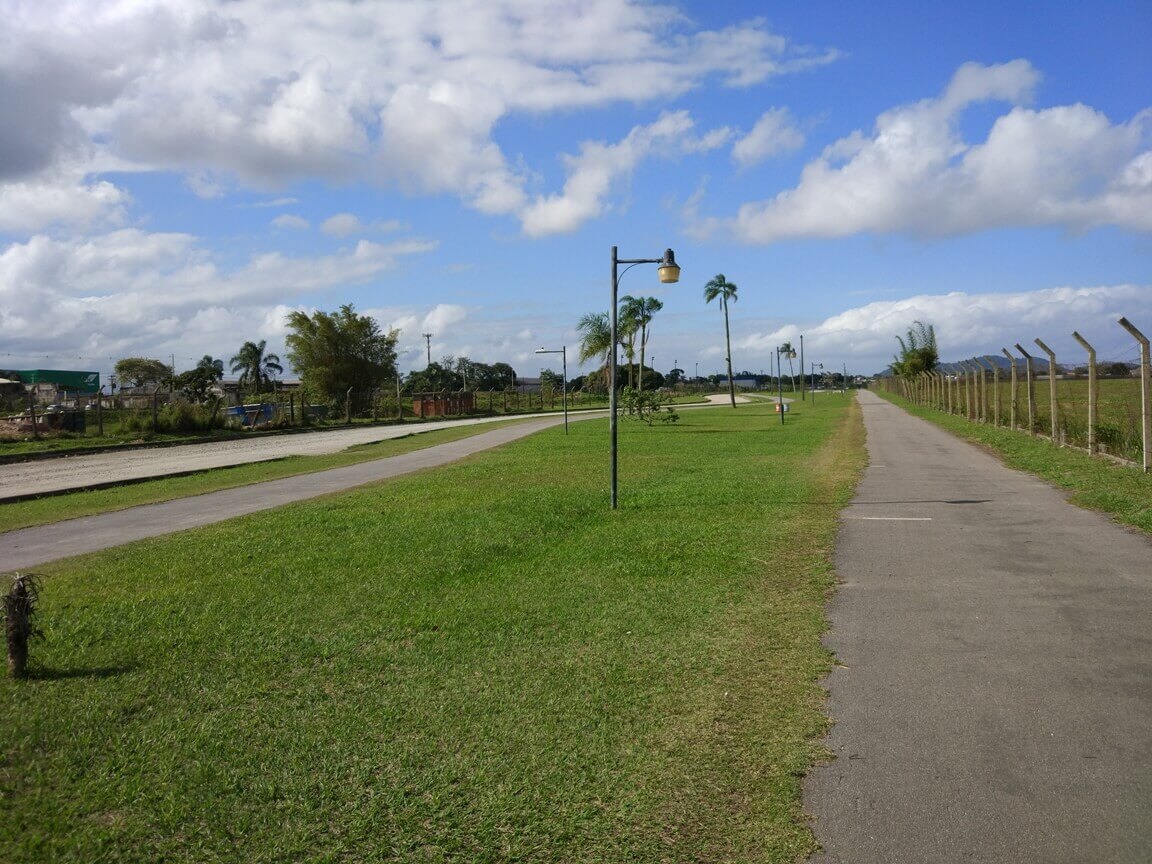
175, 177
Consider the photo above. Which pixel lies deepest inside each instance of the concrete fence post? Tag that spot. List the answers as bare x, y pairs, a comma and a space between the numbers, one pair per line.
982, 390
1013, 389
1093, 396
984, 367
1051, 387
969, 396
1030, 376
1145, 387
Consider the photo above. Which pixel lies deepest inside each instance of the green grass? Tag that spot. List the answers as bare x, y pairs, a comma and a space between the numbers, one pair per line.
56, 508
477, 663
1096, 483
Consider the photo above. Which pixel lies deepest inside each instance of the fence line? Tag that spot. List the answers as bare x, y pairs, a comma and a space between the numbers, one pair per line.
1118, 428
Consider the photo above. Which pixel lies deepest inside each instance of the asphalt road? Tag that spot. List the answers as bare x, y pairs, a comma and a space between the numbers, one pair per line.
101, 469
993, 701
30, 547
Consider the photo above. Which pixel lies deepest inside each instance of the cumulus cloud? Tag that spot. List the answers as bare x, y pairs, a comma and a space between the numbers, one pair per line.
1067, 166
341, 225
267, 92
99, 295
291, 220
971, 324
593, 172
443, 317
774, 133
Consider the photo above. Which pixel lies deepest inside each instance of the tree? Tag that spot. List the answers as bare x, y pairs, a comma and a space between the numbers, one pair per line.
595, 338
340, 350
917, 354
256, 368
141, 371
788, 352
196, 383
638, 312
725, 290
436, 378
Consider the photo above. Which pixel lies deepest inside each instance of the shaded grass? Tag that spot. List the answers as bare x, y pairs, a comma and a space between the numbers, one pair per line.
56, 508
1122, 491
477, 663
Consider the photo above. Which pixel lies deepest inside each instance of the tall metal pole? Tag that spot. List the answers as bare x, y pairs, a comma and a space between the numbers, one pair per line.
801, 367
564, 383
780, 384
612, 377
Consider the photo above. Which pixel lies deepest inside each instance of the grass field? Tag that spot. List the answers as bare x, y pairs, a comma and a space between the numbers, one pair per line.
478, 663
1118, 419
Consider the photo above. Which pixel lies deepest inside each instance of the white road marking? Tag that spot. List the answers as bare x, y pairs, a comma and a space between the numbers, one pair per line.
892, 518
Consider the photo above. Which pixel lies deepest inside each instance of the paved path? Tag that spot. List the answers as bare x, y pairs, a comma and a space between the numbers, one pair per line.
68, 473
995, 698
30, 547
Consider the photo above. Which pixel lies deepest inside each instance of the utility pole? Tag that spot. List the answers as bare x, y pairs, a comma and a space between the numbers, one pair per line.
428, 339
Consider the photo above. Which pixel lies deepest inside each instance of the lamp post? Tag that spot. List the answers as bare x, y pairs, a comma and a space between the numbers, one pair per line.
780, 351
563, 352
669, 271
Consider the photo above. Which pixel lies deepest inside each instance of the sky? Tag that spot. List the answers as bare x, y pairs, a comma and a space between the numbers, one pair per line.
176, 177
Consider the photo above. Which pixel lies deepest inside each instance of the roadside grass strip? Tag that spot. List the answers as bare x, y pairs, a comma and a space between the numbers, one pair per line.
477, 663
1124, 492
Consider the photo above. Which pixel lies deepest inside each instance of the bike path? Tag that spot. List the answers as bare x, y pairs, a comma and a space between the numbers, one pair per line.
992, 698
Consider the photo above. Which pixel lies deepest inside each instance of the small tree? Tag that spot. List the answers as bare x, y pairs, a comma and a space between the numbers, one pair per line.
917, 354
142, 371
335, 351
256, 367
197, 383
19, 621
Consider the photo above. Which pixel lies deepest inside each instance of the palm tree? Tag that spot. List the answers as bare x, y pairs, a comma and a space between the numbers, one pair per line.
787, 351
639, 311
255, 367
595, 338
725, 290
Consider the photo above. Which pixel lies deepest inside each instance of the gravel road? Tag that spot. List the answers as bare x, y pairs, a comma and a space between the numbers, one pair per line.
79, 472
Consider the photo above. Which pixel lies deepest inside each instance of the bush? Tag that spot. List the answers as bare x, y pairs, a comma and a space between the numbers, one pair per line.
648, 406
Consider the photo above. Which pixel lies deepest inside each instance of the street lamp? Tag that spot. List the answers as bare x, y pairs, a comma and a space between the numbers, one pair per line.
563, 352
669, 271
789, 354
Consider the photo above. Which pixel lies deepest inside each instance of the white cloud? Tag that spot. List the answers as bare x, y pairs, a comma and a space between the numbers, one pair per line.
1066, 166
341, 225
592, 174
267, 92
60, 199
773, 133
99, 295
290, 220
443, 317
971, 324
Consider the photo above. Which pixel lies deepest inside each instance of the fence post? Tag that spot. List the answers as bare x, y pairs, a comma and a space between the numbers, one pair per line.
1013, 389
967, 391
984, 367
1145, 386
1029, 375
1051, 386
1093, 397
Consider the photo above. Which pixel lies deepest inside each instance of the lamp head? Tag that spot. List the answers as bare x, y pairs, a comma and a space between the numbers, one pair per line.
669, 270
